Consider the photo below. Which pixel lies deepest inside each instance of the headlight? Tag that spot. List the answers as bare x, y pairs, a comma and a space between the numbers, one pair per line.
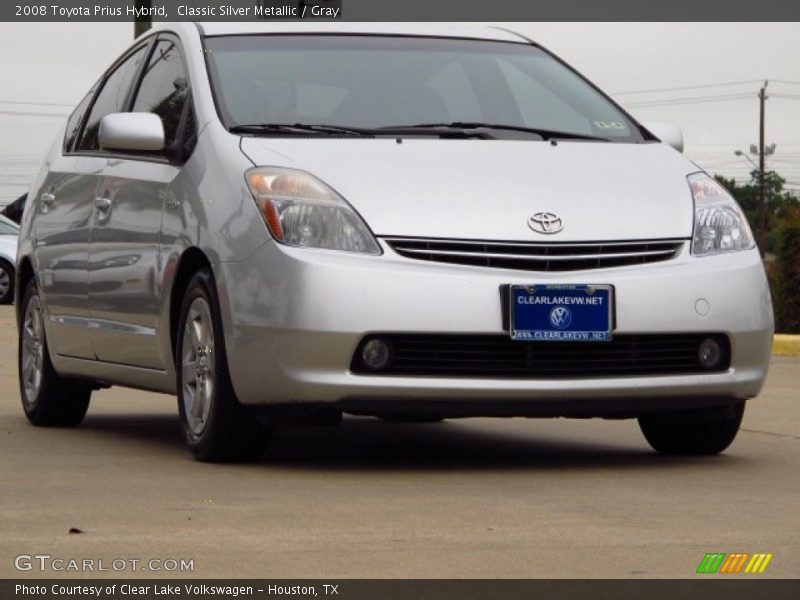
300, 210
719, 224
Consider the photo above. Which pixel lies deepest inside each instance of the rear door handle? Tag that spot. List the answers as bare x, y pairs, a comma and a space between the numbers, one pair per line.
102, 204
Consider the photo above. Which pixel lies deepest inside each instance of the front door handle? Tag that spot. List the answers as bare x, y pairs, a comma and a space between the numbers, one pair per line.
102, 204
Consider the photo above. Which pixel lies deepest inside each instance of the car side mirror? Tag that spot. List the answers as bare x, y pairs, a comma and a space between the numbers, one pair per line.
666, 132
132, 131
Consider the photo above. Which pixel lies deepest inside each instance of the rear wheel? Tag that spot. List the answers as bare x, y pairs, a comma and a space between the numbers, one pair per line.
216, 427
47, 398
6, 282
707, 431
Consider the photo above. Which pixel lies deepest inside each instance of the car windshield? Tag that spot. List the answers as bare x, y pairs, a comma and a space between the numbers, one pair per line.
370, 82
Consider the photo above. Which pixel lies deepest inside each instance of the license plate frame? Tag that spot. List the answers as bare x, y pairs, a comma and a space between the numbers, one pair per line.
593, 319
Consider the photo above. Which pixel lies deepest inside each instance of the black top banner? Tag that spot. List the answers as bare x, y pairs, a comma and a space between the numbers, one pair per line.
400, 10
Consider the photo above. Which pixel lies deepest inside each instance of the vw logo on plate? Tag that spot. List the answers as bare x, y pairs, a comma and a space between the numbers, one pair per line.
545, 222
560, 317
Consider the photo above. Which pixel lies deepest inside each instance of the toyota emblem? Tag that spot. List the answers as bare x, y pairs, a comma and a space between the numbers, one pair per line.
545, 222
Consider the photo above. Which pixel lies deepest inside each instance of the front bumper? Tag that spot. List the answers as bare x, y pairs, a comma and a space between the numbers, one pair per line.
294, 317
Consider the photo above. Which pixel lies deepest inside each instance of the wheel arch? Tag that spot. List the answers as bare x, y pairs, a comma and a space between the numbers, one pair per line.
23, 276
191, 261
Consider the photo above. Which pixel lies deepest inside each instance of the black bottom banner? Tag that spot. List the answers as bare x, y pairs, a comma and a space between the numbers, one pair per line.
387, 589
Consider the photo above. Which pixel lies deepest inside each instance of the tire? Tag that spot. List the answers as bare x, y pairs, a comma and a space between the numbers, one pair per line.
7, 274
216, 427
702, 432
48, 399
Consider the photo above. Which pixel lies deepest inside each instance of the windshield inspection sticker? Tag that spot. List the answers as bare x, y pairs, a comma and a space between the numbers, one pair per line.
605, 125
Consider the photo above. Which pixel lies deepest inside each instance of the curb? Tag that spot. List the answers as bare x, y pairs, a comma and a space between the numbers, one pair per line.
786, 345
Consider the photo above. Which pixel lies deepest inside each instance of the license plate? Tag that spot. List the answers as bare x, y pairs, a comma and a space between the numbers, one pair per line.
561, 313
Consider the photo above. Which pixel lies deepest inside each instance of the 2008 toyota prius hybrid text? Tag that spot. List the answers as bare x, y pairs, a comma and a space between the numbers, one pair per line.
405, 222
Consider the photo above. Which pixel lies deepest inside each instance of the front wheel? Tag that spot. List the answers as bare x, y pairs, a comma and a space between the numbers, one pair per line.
706, 431
216, 427
47, 398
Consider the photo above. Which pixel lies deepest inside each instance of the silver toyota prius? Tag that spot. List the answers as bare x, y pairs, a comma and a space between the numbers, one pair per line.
298, 220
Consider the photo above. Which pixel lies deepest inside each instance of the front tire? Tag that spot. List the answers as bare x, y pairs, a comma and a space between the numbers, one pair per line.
701, 432
216, 427
47, 398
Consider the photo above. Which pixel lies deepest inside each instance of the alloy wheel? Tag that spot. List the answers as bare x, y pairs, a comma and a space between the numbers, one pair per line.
32, 350
197, 364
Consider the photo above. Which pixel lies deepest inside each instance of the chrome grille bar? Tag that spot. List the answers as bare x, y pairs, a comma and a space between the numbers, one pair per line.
537, 256
527, 256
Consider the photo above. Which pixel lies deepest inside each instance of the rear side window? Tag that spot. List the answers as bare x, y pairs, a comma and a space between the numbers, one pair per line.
75, 120
111, 99
164, 88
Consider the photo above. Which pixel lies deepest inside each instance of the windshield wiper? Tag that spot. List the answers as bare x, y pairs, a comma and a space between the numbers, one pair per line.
470, 127
337, 130
301, 128
454, 129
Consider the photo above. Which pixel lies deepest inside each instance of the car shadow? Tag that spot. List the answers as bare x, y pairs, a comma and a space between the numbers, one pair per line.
369, 444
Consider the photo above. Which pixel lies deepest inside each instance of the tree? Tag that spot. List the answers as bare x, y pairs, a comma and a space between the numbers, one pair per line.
787, 274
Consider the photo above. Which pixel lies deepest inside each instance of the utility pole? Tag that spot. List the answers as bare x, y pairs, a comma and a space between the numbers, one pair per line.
762, 192
143, 24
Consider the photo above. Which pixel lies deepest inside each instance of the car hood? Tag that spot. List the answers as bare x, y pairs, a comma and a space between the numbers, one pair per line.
488, 189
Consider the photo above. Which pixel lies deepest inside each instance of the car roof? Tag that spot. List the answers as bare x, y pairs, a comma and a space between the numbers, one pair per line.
408, 29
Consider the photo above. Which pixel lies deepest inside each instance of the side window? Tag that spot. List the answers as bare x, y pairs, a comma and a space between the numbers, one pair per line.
75, 120
111, 99
164, 88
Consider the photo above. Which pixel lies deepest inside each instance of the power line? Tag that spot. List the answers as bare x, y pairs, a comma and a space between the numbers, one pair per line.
20, 113
687, 87
691, 100
29, 103
738, 142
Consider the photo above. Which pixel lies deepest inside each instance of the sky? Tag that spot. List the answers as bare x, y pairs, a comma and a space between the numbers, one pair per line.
46, 68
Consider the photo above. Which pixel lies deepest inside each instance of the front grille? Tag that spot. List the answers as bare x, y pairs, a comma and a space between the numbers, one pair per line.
537, 256
499, 356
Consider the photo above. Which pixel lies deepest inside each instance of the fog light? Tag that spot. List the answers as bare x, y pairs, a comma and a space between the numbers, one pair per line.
709, 353
376, 354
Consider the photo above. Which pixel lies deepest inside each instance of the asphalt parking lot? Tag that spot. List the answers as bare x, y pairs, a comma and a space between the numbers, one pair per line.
476, 498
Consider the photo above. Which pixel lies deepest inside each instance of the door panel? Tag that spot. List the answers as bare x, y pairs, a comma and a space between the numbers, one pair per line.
64, 213
125, 264
62, 222
125, 267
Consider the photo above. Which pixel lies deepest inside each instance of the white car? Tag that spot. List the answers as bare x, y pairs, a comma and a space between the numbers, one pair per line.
410, 222
9, 235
